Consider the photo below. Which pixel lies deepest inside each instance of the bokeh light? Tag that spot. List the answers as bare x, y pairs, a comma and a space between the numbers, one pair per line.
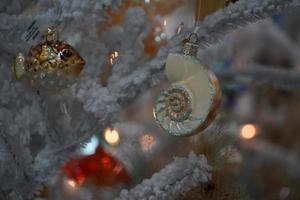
112, 56
147, 142
165, 22
248, 131
90, 147
112, 137
72, 183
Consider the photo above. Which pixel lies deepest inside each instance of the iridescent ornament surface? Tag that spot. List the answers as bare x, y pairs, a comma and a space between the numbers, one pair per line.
191, 103
51, 65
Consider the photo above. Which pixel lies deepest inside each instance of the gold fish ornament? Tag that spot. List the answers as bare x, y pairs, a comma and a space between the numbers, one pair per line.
52, 65
191, 103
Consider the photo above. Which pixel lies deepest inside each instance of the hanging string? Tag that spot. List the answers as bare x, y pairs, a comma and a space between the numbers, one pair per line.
57, 20
198, 11
205, 8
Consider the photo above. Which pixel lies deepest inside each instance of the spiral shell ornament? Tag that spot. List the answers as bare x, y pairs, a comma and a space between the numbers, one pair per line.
192, 101
176, 102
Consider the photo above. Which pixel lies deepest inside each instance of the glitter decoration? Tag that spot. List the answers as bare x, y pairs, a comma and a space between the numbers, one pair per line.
52, 65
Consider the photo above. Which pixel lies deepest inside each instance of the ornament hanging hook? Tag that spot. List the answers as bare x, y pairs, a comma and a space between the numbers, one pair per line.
190, 47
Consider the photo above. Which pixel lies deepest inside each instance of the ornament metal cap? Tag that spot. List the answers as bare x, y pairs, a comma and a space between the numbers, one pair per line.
190, 47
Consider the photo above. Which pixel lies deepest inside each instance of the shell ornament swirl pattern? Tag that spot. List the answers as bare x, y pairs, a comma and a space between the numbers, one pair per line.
177, 103
192, 101
51, 65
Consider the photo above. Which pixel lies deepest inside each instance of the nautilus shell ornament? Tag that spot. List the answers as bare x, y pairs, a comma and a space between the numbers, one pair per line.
193, 99
51, 65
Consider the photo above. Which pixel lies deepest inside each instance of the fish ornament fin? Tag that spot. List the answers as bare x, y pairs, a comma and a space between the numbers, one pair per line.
19, 66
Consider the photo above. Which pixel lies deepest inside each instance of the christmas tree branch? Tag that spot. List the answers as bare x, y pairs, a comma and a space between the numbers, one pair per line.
19, 159
278, 156
288, 80
239, 14
179, 176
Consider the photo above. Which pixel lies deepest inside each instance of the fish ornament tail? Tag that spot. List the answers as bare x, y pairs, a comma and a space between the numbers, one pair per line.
19, 66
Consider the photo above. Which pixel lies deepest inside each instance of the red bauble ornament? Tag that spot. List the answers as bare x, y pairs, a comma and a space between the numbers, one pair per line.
99, 168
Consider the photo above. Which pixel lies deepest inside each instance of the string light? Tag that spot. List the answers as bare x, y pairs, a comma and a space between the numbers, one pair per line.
154, 115
112, 137
155, 9
72, 183
112, 56
116, 54
107, 69
248, 131
165, 22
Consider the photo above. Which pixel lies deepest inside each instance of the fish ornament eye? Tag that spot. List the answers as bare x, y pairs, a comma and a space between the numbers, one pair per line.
67, 53
191, 103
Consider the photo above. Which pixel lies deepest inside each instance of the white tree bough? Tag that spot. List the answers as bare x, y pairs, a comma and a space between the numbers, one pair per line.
20, 106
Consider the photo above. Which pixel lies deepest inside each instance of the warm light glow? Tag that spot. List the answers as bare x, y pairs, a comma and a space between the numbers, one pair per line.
116, 54
154, 115
72, 183
112, 137
153, 9
248, 131
147, 142
112, 56
165, 22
